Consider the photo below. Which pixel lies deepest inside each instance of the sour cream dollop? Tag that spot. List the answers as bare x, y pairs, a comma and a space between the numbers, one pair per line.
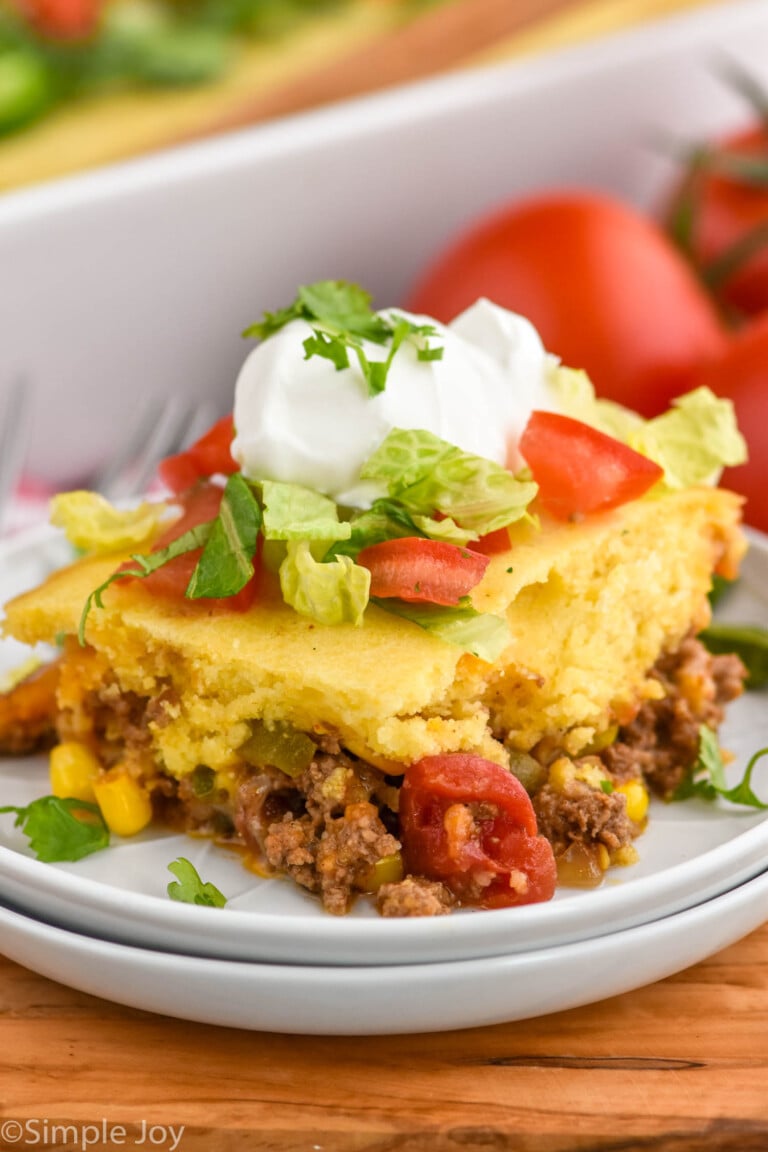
302, 421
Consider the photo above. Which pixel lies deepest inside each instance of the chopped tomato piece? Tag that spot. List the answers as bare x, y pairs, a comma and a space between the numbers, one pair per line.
422, 571
580, 469
208, 456
492, 543
199, 505
178, 472
470, 823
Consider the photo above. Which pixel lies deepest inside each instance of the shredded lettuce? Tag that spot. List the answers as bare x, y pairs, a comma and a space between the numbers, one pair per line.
446, 530
384, 520
92, 524
331, 592
427, 474
481, 633
576, 396
694, 440
292, 512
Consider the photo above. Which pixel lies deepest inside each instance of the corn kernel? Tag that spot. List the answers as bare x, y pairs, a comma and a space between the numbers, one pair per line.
591, 774
637, 799
624, 856
561, 773
124, 803
73, 769
603, 857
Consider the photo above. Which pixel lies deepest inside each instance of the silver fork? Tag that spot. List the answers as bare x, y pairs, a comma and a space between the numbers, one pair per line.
15, 414
162, 428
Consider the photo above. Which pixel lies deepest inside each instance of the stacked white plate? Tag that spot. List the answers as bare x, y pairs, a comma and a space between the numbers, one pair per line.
272, 960
133, 283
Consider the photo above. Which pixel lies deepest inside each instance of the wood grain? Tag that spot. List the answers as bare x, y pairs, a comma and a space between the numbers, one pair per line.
679, 1066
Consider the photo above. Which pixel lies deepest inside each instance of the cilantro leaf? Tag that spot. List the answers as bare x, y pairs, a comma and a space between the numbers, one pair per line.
343, 307
189, 888
61, 829
721, 586
338, 306
707, 778
272, 322
341, 318
226, 563
330, 348
748, 642
144, 566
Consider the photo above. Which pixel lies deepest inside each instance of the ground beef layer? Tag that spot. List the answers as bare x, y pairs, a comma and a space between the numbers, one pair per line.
333, 827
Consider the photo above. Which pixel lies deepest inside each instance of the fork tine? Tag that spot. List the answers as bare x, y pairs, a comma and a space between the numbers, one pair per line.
15, 413
166, 427
108, 478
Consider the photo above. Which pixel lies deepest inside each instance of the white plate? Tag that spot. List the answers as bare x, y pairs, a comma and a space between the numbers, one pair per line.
390, 178
388, 999
691, 852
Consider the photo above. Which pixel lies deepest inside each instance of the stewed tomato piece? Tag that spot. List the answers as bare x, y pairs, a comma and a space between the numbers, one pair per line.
470, 823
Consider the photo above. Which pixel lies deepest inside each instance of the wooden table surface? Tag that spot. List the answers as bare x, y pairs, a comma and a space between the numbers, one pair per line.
679, 1066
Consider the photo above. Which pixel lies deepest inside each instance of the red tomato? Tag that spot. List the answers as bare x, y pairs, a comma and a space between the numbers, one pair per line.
606, 289
741, 374
492, 543
581, 470
206, 457
470, 823
422, 571
723, 210
62, 19
200, 505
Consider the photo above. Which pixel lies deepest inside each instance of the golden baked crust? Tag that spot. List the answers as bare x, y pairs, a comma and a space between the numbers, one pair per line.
591, 607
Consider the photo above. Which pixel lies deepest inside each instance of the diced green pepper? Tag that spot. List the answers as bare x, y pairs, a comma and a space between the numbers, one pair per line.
278, 746
203, 780
528, 770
